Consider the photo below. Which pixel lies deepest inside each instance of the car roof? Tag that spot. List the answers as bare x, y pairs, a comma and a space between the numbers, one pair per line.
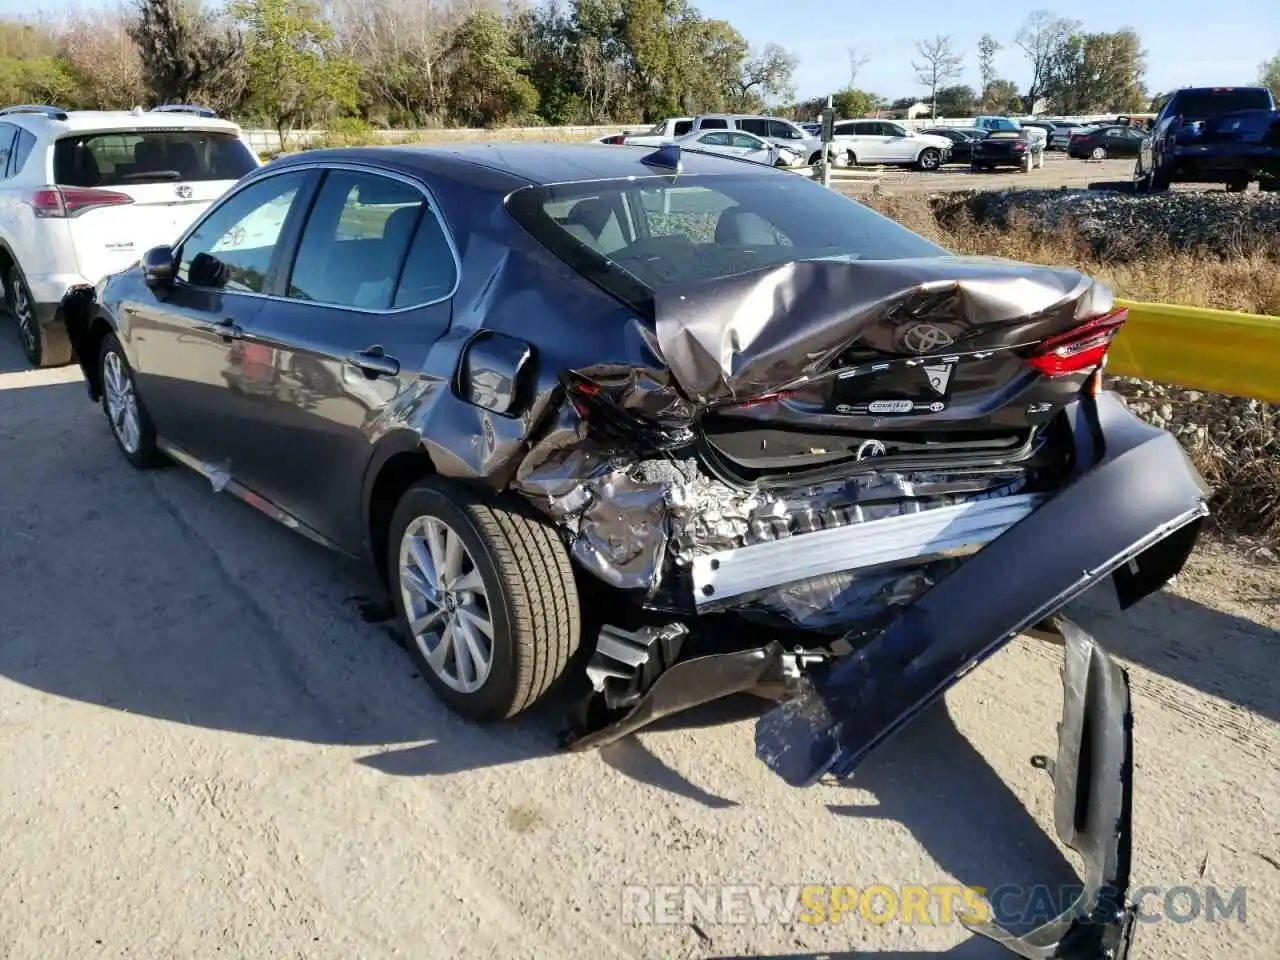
85, 121
510, 165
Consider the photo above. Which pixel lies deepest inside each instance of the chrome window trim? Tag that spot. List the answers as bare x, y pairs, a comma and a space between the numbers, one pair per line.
433, 209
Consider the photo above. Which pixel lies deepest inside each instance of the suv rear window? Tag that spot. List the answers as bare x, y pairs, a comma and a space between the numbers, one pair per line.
635, 237
1203, 104
123, 157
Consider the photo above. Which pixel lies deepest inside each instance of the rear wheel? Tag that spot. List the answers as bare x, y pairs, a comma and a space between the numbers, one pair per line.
850, 158
486, 596
1238, 185
929, 159
42, 348
1269, 186
1027, 162
1098, 153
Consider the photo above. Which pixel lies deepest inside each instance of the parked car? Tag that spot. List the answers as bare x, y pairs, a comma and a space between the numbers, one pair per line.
786, 134
736, 143
1101, 143
961, 140
1227, 135
1006, 125
1062, 131
571, 358
86, 192
1007, 148
884, 142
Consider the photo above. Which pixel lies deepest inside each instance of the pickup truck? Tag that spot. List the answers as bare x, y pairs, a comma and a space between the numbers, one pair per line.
1225, 135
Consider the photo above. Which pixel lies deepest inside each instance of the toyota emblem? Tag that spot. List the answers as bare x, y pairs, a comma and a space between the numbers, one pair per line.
184, 192
926, 338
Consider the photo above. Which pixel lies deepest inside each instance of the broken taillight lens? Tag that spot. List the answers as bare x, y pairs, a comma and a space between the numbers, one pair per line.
1080, 348
64, 202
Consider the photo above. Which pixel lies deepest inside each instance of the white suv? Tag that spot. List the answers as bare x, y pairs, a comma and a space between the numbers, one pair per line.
86, 193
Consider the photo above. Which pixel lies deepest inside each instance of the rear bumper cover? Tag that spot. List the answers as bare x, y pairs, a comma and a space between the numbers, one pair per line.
1224, 161
1132, 512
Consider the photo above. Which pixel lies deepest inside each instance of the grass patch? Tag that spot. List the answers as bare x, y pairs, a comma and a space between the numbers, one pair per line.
1234, 442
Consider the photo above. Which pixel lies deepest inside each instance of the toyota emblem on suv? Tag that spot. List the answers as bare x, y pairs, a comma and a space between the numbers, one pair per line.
925, 338
184, 192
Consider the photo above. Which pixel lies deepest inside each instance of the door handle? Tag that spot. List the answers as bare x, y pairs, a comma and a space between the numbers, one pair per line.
375, 362
226, 328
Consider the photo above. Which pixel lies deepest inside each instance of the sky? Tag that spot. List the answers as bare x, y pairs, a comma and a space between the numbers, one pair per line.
1188, 42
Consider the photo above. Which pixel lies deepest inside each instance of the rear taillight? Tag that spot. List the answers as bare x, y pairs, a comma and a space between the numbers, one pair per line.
63, 202
1080, 348
1019, 148
615, 139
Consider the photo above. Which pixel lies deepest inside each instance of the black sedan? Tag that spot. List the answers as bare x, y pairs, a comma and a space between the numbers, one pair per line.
961, 140
1116, 140
1007, 148
766, 425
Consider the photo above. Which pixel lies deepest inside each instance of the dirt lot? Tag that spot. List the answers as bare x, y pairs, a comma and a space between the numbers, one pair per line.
205, 750
1059, 170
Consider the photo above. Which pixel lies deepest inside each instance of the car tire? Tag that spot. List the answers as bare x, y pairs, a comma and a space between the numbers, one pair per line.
815, 158
1158, 183
1098, 153
1237, 186
1269, 186
517, 578
41, 347
929, 159
126, 415
850, 158
1027, 163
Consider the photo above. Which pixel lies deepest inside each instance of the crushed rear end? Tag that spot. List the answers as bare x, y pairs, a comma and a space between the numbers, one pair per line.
871, 476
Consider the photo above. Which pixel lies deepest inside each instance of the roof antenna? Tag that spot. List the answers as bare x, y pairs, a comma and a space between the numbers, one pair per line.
666, 156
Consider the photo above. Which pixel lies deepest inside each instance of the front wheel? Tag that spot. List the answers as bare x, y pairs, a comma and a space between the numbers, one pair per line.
130, 423
486, 596
929, 159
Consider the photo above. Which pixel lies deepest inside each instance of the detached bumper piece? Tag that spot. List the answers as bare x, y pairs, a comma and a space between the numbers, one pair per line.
1092, 809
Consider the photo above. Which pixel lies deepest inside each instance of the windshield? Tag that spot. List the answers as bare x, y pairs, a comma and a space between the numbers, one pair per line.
635, 237
124, 157
1202, 104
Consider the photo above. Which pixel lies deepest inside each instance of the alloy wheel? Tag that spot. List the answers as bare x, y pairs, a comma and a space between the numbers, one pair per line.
122, 403
446, 604
24, 313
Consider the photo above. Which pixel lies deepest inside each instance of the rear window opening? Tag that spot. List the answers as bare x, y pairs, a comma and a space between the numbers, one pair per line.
121, 158
1203, 104
637, 236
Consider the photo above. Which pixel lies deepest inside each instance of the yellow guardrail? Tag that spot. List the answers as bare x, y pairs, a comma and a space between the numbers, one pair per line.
1217, 351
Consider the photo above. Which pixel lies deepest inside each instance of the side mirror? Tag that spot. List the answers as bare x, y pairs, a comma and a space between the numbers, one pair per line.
159, 267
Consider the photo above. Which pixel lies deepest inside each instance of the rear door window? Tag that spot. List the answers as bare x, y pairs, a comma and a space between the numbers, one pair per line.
783, 131
756, 125
8, 140
123, 157
715, 123
355, 240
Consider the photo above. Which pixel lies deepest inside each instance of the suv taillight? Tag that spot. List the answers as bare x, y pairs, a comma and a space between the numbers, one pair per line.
63, 202
1080, 348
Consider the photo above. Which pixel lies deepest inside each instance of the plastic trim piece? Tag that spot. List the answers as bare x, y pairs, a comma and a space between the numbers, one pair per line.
942, 531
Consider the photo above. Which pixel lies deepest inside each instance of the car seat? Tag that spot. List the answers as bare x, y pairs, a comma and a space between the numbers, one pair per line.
742, 228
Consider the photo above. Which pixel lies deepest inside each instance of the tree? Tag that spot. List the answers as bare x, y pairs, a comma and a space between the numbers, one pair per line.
940, 64
988, 47
856, 63
487, 81
1269, 75
104, 61
188, 55
1002, 97
1041, 39
1097, 72
768, 74
957, 101
293, 70
851, 103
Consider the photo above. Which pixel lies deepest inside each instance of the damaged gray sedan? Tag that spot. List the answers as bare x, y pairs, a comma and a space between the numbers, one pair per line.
675, 424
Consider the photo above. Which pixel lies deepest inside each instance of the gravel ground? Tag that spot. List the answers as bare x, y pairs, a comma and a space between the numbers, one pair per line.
205, 751
1116, 223
1059, 170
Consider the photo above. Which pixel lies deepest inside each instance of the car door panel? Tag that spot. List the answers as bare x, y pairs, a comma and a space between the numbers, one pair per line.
185, 336
347, 342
